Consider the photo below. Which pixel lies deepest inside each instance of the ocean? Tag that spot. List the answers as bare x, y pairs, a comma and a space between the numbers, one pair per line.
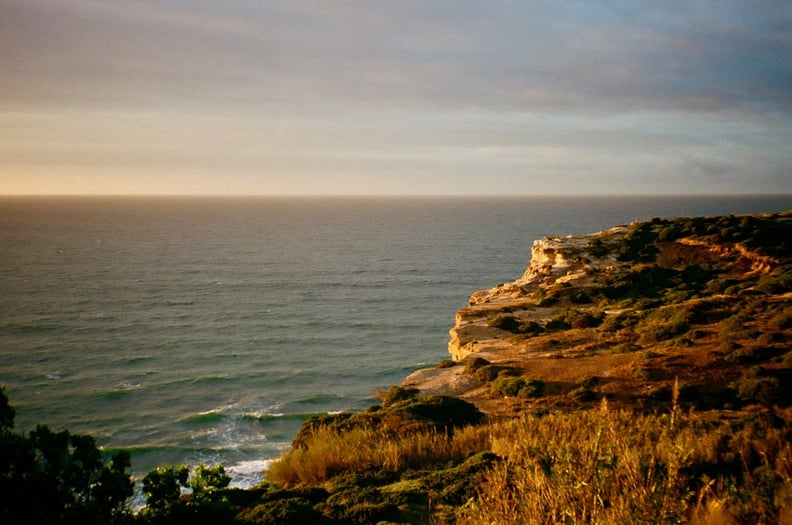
196, 329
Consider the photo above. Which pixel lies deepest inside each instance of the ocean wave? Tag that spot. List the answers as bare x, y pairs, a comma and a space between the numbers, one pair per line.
213, 379
118, 393
209, 416
267, 417
18, 328
247, 474
318, 399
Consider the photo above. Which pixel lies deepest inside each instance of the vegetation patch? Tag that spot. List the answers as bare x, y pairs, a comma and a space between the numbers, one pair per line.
506, 386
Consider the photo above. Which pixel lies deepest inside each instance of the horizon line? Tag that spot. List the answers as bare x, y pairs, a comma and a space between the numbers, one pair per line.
388, 195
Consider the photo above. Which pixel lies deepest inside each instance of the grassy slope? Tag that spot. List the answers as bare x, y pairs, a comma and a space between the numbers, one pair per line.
655, 393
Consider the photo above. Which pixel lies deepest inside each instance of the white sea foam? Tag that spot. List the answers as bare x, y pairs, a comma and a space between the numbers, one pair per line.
246, 474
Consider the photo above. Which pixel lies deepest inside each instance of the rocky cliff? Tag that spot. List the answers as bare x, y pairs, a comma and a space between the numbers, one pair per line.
555, 261
631, 309
566, 271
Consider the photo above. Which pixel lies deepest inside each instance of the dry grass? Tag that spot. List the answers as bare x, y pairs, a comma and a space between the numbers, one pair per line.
329, 453
588, 466
621, 467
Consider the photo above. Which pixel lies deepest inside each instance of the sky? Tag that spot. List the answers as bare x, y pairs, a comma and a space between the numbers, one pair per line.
405, 97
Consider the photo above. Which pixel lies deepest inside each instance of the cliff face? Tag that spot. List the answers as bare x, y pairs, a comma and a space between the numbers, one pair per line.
571, 271
555, 261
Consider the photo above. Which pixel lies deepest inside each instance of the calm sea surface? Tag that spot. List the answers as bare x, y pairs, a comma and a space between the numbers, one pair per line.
208, 329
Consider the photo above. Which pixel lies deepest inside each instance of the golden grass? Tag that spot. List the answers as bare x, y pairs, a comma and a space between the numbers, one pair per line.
621, 467
329, 453
589, 466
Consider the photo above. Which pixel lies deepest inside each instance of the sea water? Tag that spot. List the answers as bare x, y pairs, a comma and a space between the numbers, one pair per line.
191, 330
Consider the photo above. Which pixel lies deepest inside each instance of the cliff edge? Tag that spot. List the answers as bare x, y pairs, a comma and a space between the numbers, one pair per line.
626, 313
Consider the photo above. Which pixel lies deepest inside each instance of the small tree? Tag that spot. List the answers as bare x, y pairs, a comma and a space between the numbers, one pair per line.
58, 477
208, 480
163, 487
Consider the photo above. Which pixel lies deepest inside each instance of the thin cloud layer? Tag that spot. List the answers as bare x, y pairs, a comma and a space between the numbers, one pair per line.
632, 94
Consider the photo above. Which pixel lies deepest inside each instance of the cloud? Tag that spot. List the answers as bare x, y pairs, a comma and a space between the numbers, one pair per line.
533, 95
500, 55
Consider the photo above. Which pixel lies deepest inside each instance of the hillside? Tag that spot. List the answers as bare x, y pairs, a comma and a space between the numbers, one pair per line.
624, 313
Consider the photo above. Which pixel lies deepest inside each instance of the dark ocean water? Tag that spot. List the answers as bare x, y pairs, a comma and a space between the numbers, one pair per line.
208, 329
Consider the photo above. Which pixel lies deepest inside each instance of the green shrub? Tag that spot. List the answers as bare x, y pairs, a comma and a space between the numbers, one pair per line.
585, 320
754, 354
597, 248
531, 327
695, 275
663, 332
359, 505
517, 387
472, 364
557, 324
398, 393
286, 511
491, 372
615, 322
639, 244
580, 297
643, 280
505, 322
764, 390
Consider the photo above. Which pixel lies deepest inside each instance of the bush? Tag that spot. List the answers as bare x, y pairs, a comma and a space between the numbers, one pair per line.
358, 451
287, 511
491, 372
764, 390
597, 248
641, 281
781, 321
639, 244
505, 322
162, 487
531, 327
580, 297
585, 320
663, 332
442, 412
396, 394
472, 364
59, 477
517, 387
557, 324
613, 323
583, 394
754, 354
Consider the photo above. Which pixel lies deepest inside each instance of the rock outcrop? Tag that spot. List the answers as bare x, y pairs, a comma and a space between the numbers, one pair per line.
575, 270
555, 261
